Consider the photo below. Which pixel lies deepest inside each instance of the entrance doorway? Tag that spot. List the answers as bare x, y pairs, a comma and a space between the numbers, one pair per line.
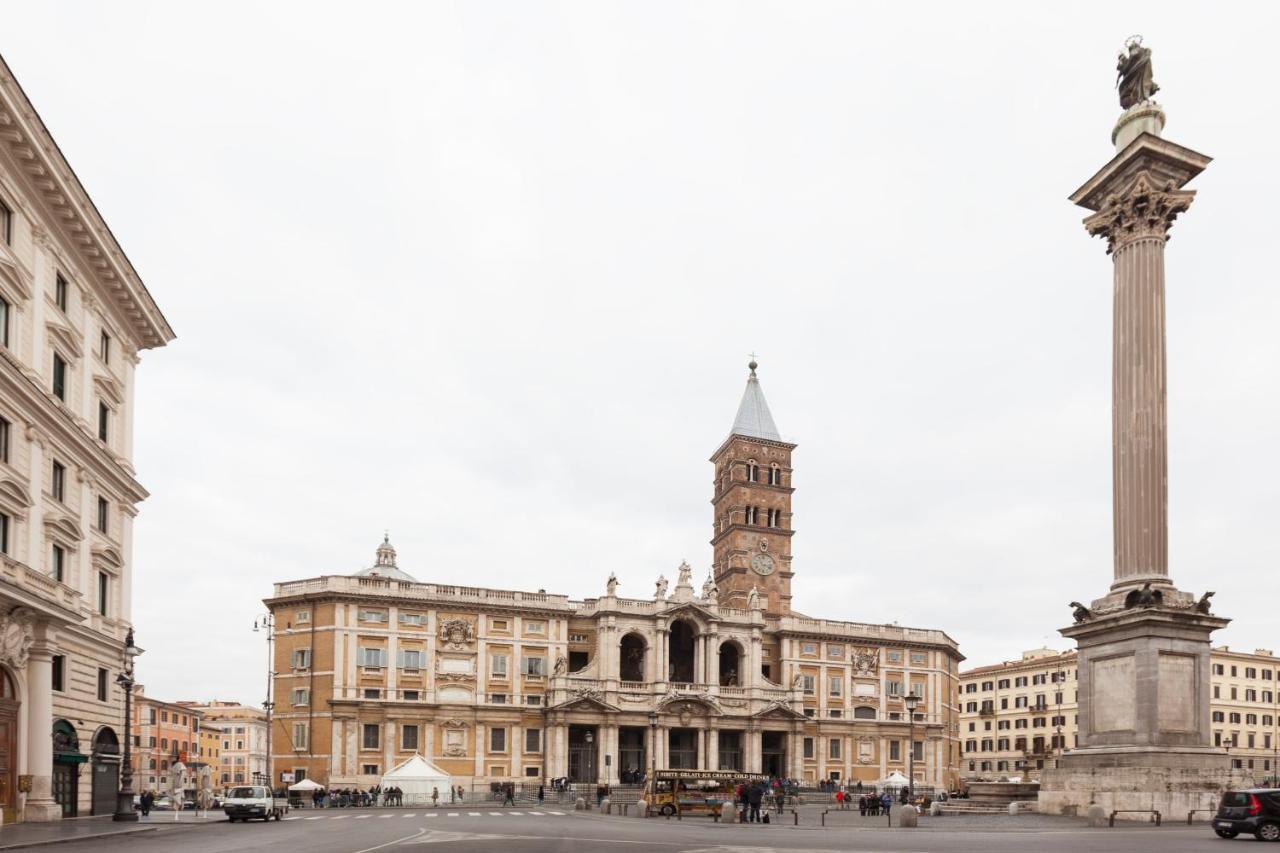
632, 760
106, 771
729, 750
8, 748
773, 753
582, 754
682, 749
67, 759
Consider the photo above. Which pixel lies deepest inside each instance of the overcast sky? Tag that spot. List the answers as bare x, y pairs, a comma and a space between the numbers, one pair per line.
487, 275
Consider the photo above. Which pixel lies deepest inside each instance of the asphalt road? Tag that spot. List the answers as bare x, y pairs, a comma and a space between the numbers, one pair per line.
479, 830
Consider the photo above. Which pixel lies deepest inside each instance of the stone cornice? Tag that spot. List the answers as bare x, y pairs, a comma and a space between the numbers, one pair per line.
767, 442
75, 215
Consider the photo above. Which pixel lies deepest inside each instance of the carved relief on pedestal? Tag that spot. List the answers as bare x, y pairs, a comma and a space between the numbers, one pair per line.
1145, 209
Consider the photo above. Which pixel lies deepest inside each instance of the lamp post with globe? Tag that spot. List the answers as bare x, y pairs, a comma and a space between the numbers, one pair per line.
124, 800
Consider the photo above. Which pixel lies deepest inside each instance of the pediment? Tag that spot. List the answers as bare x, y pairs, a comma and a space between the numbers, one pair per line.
14, 494
64, 338
584, 703
62, 527
14, 280
689, 705
109, 389
107, 556
778, 711
691, 609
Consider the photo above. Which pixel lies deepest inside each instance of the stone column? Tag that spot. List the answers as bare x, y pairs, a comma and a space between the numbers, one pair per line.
610, 738
480, 745
699, 659
40, 805
1135, 208
713, 749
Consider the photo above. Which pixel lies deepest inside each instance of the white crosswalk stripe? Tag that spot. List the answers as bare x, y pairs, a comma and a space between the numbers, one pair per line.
539, 814
557, 814
385, 816
406, 817
496, 814
433, 814
517, 814
473, 814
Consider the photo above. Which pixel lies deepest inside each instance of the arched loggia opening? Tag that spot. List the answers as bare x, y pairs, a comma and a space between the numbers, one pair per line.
680, 652
730, 664
631, 658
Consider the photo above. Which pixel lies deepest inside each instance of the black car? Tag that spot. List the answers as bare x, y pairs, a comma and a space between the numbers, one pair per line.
1256, 811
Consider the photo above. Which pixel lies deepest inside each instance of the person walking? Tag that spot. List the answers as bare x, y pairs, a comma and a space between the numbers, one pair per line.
886, 802
144, 803
435, 797
754, 795
541, 794
509, 794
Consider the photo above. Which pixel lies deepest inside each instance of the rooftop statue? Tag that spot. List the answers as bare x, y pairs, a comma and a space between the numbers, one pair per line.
1133, 74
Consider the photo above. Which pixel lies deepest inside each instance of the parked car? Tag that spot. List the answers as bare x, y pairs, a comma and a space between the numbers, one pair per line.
162, 804
1255, 811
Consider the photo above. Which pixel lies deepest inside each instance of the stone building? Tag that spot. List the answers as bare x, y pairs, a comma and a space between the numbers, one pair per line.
74, 316
493, 685
166, 748
1017, 717
242, 745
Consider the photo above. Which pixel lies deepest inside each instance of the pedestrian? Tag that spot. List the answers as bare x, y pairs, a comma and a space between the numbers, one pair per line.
886, 802
754, 795
840, 800
509, 794
144, 803
435, 797
779, 797
541, 793
862, 805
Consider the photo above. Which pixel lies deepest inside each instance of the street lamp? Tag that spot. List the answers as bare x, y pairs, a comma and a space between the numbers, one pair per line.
267, 623
911, 700
124, 800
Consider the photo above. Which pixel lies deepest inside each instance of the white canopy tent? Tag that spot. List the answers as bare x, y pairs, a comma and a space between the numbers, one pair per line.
305, 786
416, 777
894, 780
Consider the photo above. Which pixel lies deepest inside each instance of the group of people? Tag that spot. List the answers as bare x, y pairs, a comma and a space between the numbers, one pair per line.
336, 798
755, 799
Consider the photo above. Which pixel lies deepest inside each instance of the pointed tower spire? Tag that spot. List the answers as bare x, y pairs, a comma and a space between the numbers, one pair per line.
754, 419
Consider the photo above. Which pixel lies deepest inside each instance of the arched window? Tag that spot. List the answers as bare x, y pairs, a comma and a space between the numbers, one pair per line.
730, 665
631, 658
753, 471
775, 475
680, 654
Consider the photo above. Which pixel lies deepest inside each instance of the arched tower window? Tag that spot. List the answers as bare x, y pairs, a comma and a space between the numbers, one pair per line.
753, 471
775, 475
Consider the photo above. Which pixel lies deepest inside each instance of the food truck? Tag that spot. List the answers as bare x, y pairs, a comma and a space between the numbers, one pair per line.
695, 792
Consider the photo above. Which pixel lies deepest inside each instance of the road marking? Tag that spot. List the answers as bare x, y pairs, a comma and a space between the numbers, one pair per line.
496, 814
411, 814
473, 814
452, 814
363, 816
518, 814
385, 816
340, 817
391, 843
539, 814
432, 814
557, 814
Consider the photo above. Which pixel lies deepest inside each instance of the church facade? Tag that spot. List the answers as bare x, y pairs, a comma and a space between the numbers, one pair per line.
498, 685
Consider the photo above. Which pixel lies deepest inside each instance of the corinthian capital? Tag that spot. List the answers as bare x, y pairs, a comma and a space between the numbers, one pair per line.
1145, 209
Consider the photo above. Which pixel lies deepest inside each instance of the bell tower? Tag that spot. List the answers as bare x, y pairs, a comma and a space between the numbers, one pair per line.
751, 524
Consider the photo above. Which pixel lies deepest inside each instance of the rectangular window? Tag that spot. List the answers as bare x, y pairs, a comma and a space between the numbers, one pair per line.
409, 738
917, 749
535, 667
807, 684
410, 659
59, 378
498, 666
411, 695
59, 481
833, 686
60, 292
59, 672
808, 648
497, 740
104, 592
369, 769
808, 747
895, 750
103, 513
300, 734
59, 562
373, 693
533, 699
299, 696
535, 627
833, 748
302, 617
102, 684
532, 740
498, 624
4, 533
412, 619
373, 616
301, 659
104, 418
370, 736
373, 657
893, 688
104, 348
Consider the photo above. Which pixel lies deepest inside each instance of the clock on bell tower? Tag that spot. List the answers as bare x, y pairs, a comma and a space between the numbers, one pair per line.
751, 532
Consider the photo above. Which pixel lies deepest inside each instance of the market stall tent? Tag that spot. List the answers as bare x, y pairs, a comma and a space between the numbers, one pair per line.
306, 785
416, 777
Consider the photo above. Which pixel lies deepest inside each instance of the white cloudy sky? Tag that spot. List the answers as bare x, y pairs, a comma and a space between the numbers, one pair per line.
487, 275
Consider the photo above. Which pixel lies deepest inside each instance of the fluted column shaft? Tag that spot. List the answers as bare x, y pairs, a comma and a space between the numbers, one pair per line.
1139, 431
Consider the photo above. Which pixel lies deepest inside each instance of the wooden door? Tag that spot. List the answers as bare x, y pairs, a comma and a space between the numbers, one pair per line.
9, 759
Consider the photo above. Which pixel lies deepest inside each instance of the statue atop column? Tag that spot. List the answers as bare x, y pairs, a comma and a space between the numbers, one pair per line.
660, 591
612, 584
1133, 74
